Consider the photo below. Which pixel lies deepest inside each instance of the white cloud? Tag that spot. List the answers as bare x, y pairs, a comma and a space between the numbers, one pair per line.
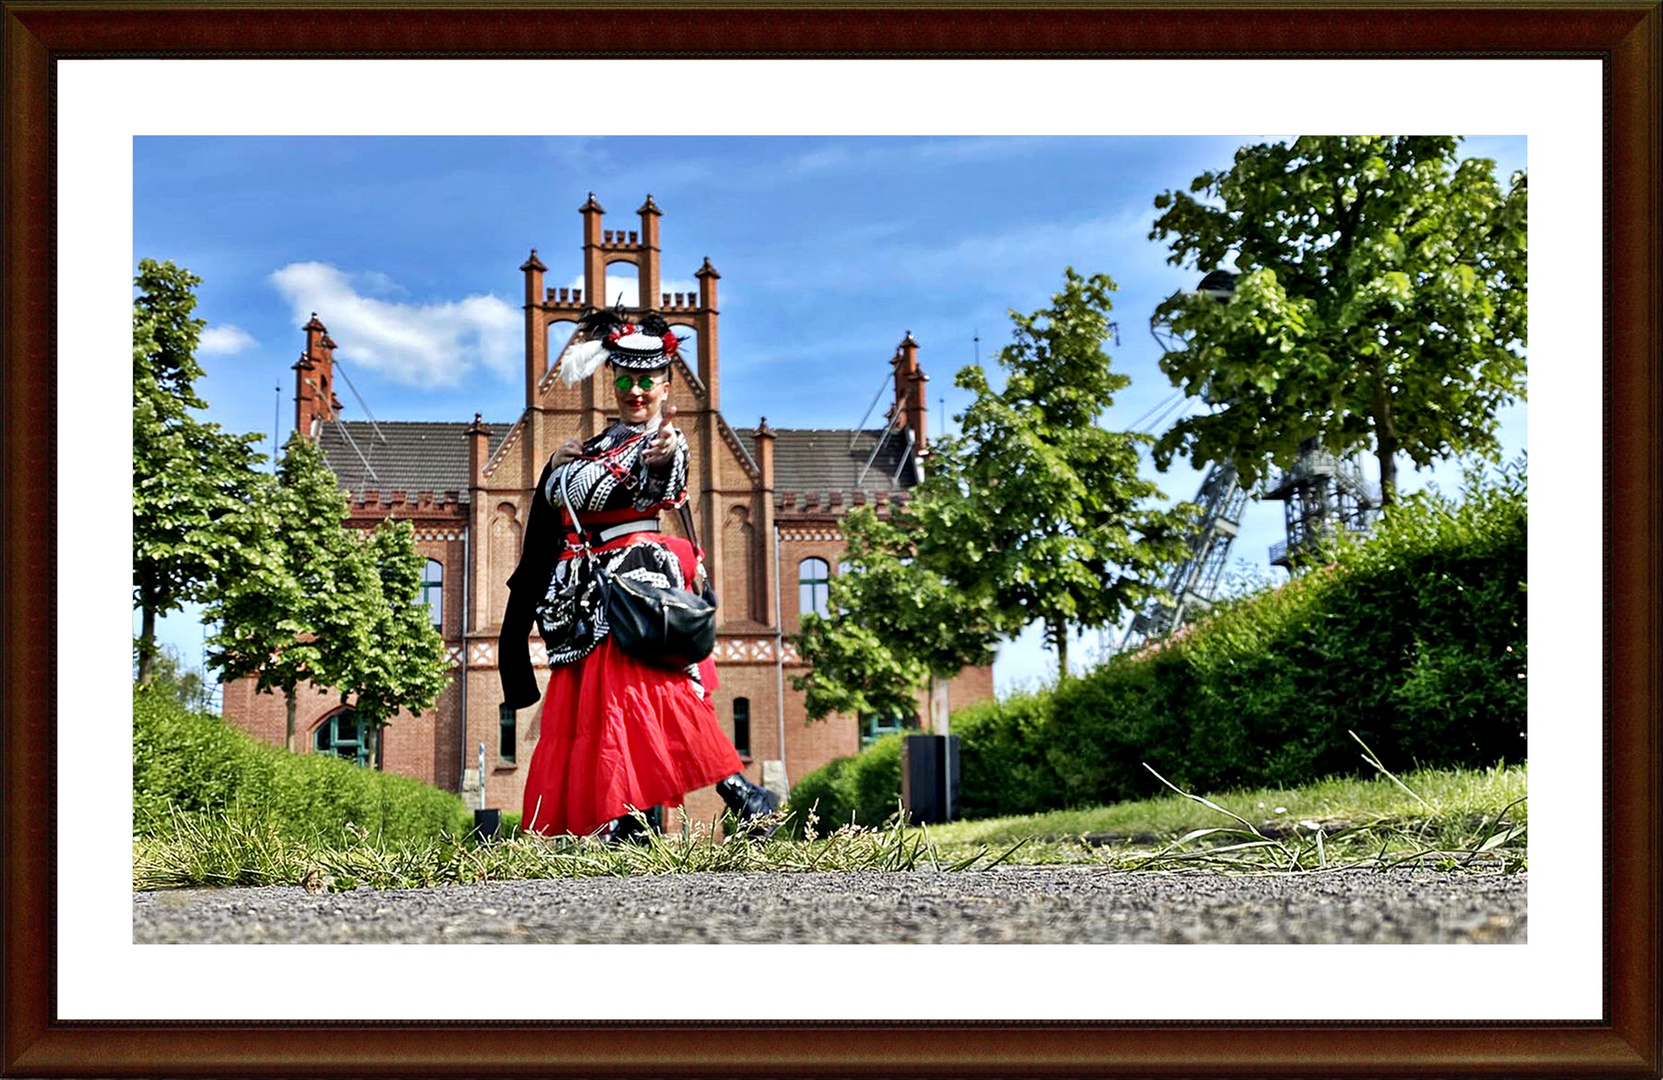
225, 339
422, 345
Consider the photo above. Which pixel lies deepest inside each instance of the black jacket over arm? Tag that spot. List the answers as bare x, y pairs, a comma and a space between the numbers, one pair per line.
526, 586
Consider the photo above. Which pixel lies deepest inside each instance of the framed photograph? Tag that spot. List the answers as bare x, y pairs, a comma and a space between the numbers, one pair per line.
1578, 82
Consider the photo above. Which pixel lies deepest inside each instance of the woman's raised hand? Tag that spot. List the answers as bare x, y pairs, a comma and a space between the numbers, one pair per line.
663, 443
570, 449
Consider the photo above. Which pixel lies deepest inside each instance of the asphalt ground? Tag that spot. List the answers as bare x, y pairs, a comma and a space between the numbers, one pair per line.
1060, 905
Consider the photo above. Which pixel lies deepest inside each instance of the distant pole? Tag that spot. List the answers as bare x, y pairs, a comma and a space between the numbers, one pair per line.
482, 776
276, 422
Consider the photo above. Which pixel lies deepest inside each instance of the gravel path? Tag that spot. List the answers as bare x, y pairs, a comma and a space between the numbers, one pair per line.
1021, 904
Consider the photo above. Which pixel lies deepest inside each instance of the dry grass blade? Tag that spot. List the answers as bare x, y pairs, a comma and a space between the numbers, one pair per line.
1204, 802
1008, 852
1374, 760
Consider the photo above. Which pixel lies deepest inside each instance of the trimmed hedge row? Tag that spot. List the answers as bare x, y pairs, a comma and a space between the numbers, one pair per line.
197, 763
864, 789
1414, 639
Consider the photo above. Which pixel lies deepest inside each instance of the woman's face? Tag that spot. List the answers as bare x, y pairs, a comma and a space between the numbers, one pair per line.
638, 404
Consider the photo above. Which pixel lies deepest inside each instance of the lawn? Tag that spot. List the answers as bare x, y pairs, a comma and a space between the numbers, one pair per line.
1449, 819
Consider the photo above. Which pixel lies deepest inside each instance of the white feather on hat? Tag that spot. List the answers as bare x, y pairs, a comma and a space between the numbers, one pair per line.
581, 361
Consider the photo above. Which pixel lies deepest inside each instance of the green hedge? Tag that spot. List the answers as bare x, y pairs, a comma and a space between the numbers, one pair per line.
1414, 639
864, 789
197, 763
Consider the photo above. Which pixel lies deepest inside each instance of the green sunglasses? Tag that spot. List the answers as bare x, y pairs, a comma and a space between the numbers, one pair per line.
645, 382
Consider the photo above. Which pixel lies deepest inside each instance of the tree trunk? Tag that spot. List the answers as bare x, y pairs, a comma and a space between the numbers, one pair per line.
288, 736
1058, 632
147, 645
1385, 440
1388, 477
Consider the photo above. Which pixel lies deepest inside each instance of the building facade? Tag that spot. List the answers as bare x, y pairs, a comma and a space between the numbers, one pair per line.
768, 503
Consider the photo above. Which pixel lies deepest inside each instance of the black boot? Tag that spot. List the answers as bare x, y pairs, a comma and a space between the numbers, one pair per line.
749, 803
630, 829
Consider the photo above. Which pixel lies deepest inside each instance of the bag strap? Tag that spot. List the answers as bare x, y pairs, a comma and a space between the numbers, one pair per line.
687, 523
566, 498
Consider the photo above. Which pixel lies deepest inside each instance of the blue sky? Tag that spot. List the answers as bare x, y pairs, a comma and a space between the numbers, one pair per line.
830, 250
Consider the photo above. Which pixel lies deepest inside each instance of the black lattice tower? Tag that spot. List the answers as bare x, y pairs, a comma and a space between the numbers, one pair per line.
1192, 585
1189, 590
1323, 494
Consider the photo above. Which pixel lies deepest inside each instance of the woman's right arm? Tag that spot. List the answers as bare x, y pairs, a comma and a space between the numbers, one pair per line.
568, 450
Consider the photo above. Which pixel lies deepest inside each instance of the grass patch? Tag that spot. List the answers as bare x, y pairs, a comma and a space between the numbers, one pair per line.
1447, 819
1451, 793
222, 849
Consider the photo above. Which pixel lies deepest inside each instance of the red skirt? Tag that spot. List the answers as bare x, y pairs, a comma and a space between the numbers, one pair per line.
619, 733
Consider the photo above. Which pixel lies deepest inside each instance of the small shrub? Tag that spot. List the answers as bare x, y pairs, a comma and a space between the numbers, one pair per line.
1003, 766
864, 789
826, 793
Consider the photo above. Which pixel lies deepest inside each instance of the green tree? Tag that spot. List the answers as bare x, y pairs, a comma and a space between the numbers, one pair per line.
1035, 510
1380, 303
189, 476
893, 623
171, 679
297, 607
402, 665
313, 601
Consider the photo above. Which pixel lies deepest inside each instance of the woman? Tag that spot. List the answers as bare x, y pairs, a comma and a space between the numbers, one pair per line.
617, 733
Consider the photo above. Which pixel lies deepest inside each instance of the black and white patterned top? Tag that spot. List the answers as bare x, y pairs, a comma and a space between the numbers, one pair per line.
611, 479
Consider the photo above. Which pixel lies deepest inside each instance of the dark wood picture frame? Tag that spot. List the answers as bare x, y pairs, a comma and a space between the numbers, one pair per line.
1624, 36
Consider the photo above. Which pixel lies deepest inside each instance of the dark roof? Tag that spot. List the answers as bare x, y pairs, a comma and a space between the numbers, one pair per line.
406, 455
420, 455
820, 461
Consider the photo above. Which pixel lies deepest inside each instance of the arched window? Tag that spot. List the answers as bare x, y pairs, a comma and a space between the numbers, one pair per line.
742, 726
814, 586
344, 736
433, 591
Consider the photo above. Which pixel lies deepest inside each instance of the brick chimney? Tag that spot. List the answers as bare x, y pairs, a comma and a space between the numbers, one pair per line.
479, 444
314, 398
765, 454
910, 393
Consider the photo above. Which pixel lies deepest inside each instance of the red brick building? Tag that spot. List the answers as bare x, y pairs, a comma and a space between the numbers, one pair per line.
769, 502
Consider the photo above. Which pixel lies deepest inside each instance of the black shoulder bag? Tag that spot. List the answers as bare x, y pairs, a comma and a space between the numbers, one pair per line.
666, 626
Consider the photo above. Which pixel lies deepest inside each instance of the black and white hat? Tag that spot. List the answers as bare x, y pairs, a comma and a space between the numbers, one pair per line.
646, 346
